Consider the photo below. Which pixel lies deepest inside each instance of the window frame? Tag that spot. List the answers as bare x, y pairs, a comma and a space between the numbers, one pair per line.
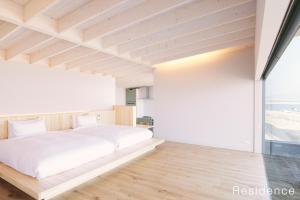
288, 30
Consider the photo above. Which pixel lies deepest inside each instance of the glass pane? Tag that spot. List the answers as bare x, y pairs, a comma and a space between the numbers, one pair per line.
282, 104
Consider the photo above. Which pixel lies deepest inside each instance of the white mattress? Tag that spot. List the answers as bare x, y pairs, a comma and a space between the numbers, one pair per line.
48, 154
121, 136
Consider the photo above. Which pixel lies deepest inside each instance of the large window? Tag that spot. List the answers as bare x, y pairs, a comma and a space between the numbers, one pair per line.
282, 99
282, 93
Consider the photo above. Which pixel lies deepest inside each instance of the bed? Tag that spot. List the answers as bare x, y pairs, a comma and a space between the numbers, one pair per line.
121, 136
75, 156
51, 153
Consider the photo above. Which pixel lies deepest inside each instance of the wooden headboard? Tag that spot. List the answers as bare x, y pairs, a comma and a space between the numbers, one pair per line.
56, 121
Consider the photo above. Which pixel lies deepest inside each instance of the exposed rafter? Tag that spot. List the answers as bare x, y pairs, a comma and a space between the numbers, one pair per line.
217, 19
244, 41
70, 55
201, 43
120, 37
236, 26
6, 29
89, 59
36, 7
130, 16
183, 14
29, 42
45, 24
50, 51
89, 11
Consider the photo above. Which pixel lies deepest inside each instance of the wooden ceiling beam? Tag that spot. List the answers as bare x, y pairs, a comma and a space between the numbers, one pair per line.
7, 29
87, 12
224, 17
35, 7
13, 13
130, 16
224, 45
177, 16
89, 59
69, 55
243, 25
10, 11
201, 44
51, 50
131, 32
28, 43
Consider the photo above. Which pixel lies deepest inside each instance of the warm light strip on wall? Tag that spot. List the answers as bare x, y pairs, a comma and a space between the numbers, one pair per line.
200, 58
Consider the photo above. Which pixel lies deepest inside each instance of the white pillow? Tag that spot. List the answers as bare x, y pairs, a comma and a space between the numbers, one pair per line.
84, 121
23, 128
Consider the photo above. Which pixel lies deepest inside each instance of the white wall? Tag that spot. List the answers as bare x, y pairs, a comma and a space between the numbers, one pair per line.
207, 100
145, 107
28, 89
269, 16
120, 96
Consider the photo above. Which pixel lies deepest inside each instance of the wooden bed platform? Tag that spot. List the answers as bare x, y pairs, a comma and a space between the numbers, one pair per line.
55, 185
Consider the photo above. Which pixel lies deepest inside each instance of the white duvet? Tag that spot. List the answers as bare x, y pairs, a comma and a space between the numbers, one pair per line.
48, 154
121, 136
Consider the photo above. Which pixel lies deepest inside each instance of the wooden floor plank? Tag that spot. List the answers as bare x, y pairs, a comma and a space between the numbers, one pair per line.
173, 172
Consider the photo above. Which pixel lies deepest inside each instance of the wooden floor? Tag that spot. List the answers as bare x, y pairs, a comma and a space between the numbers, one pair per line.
173, 172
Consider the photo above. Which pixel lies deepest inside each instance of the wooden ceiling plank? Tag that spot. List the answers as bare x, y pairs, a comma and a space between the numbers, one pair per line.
6, 30
196, 37
51, 50
89, 11
130, 16
224, 17
157, 24
11, 11
35, 7
29, 42
201, 44
224, 45
69, 55
183, 14
89, 59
